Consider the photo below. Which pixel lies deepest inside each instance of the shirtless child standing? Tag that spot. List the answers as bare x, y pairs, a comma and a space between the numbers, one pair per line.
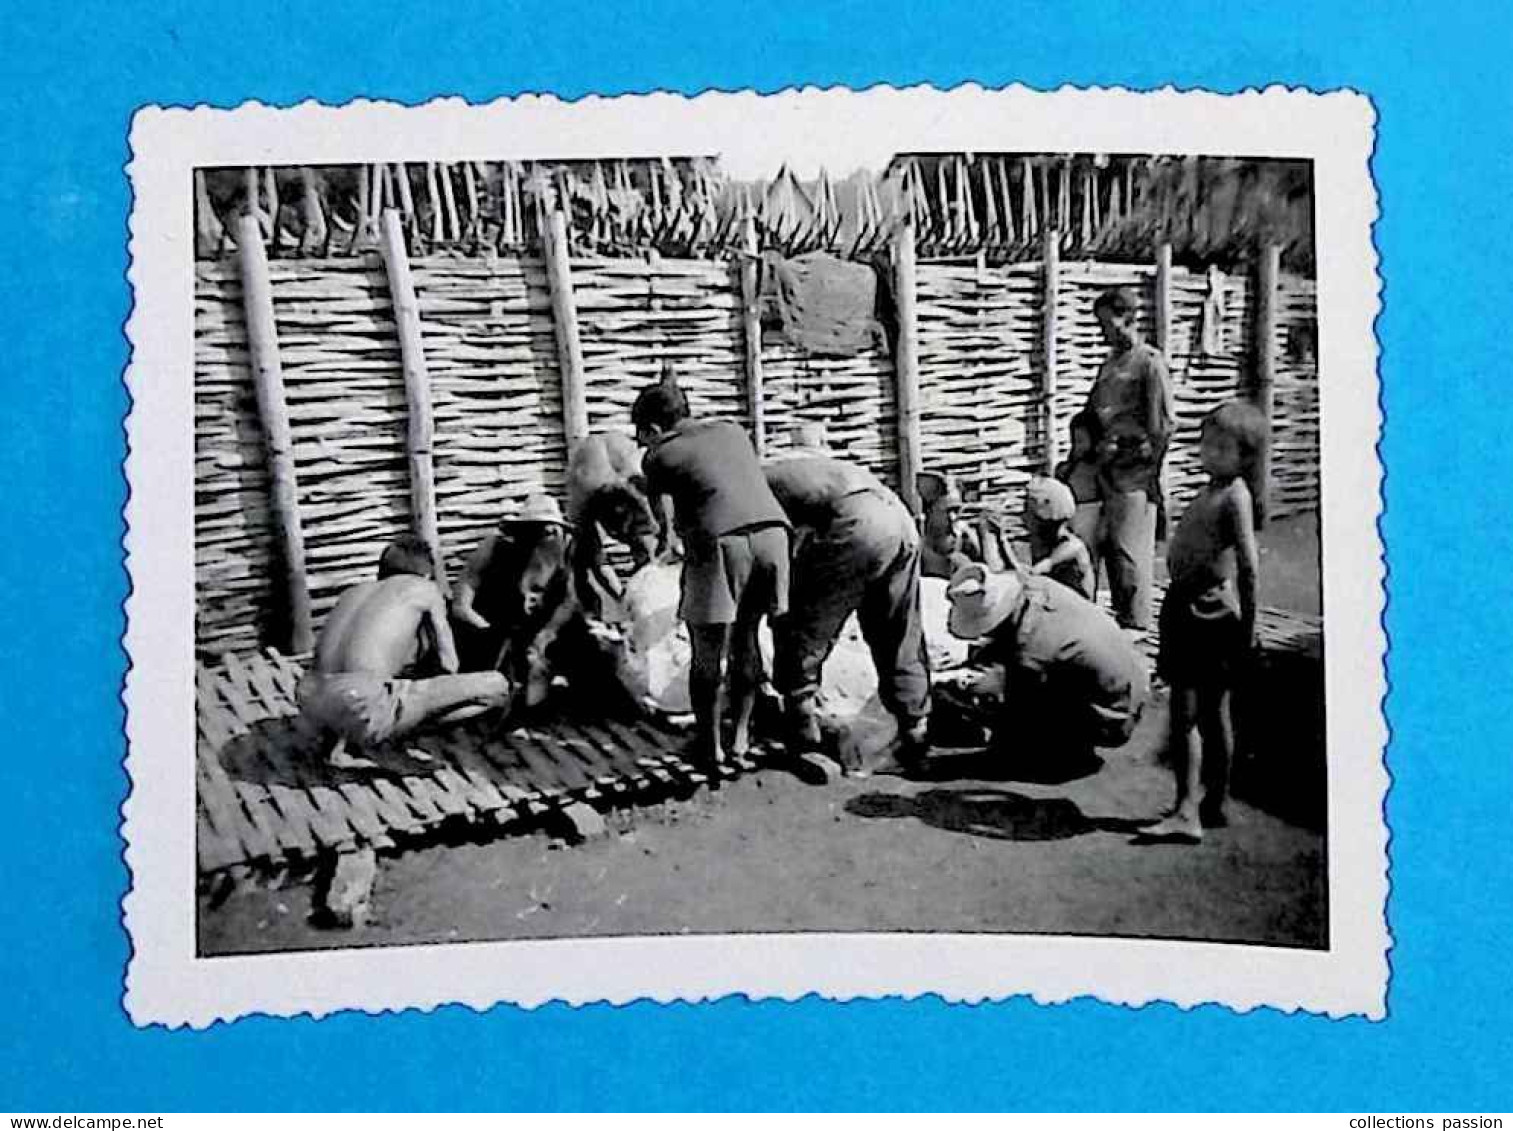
360, 687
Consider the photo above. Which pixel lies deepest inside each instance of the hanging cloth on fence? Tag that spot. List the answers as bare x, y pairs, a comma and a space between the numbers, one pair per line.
825, 305
1212, 330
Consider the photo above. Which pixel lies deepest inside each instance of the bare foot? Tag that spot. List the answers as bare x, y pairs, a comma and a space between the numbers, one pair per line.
887, 765
1177, 827
1166, 815
713, 758
341, 760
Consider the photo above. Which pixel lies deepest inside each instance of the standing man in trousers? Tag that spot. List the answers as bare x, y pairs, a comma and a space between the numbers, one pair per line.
856, 550
1132, 403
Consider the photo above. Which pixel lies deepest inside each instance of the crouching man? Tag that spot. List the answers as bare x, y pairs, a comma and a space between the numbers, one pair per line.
856, 550
514, 608
364, 684
1058, 674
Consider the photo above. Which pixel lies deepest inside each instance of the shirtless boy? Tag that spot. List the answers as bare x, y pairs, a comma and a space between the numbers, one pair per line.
361, 689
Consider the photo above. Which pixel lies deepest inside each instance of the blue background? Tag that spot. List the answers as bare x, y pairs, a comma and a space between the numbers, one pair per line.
69, 82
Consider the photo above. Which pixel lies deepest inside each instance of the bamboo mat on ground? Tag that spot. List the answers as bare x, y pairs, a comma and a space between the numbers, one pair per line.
267, 805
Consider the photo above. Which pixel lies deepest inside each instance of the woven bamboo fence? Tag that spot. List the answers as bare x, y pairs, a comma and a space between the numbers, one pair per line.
1295, 411
981, 357
502, 387
634, 315
852, 397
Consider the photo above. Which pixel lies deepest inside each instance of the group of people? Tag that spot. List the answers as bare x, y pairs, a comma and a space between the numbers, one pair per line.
806, 540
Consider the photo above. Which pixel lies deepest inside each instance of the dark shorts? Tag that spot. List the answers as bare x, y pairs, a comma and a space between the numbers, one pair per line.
746, 570
1202, 638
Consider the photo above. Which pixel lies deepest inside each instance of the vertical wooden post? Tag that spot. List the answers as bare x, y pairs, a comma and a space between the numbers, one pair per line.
751, 323
1266, 326
208, 232
273, 414
251, 185
906, 365
419, 424
313, 239
559, 275
1050, 269
1164, 300
1269, 268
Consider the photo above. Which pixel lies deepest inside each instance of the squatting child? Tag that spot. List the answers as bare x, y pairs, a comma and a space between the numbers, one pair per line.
1054, 550
1209, 616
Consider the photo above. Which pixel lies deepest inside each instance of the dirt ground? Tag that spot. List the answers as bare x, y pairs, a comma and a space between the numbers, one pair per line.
968, 850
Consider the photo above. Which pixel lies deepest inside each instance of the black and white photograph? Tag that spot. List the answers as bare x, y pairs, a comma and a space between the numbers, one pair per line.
820, 541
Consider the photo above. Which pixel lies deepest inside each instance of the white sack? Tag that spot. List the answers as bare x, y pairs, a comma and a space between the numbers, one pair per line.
653, 660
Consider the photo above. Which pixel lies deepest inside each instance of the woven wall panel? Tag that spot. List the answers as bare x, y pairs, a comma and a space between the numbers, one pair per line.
496, 392
633, 315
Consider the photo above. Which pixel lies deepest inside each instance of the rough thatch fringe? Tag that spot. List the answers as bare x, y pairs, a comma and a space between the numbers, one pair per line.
1001, 206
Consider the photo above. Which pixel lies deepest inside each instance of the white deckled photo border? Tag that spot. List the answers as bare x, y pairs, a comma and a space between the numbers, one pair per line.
167, 984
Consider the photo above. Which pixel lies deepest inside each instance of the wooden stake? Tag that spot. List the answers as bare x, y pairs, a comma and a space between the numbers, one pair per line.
273, 414
449, 201
906, 366
751, 325
271, 191
419, 427
208, 232
1050, 266
360, 229
435, 194
406, 199
1269, 268
559, 274
313, 239
1164, 299
251, 182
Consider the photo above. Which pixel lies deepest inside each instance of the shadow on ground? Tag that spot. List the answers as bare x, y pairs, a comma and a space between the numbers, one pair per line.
994, 813
290, 752
986, 764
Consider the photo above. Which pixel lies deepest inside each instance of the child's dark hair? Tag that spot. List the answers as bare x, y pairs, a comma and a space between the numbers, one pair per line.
1119, 301
1247, 425
661, 405
1085, 422
409, 553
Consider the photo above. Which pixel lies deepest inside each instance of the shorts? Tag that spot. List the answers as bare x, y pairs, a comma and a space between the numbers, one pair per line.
745, 571
1202, 639
358, 706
